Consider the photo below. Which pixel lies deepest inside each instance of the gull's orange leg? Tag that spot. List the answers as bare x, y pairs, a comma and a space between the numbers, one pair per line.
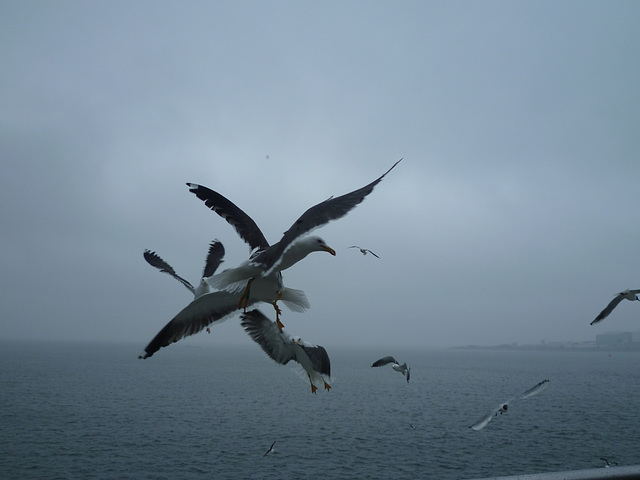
278, 312
244, 299
313, 387
326, 385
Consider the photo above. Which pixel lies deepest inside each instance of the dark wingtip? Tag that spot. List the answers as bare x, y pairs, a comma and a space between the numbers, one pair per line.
392, 167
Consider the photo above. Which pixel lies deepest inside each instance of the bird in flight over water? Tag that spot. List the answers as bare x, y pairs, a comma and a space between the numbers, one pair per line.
364, 251
627, 294
403, 369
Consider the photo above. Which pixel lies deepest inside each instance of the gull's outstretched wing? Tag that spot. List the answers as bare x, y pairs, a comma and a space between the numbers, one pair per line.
384, 361
314, 217
196, 316
154, 260
214, 259
482, 422
609, 308
270, 449
319, 358
266, 333
533, 390
234, 215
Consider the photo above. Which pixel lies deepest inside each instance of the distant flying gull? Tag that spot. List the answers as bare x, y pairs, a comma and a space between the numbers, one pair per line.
283, 348
503, 407
628, 294
214, 258
267, 261
403, 369
270, 450
364, 251
607, 463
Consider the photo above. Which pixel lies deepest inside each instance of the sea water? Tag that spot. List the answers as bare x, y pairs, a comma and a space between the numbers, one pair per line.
94, 411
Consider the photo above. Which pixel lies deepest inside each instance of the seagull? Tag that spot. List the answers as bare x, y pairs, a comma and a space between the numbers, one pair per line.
403, 369
628, 294
283, 348
246, 279
607, 463
214, 259
268, 261
503, 407
209, 308
270, 450
364, 251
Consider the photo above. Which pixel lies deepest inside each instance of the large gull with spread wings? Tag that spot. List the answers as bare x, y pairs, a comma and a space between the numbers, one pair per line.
267, 261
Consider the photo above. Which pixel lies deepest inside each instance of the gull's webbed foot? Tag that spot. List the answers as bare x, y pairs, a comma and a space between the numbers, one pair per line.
326, 385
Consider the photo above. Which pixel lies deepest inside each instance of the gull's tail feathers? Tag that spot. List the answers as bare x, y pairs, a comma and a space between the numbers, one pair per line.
295, 300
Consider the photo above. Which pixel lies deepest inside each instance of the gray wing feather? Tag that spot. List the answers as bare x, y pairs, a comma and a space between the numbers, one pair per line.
314, 217
482, 422
200, 313
533, 390
608, 309
214, 258
384, 361
234, 215
154, 260
319, 358
266, 334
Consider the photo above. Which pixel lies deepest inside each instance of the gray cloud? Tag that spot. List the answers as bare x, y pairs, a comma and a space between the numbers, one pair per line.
509, 220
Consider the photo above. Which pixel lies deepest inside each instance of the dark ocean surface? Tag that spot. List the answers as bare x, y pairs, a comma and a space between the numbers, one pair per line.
94, 411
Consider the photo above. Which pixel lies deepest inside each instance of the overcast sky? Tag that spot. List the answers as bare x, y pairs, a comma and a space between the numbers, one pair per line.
510, 219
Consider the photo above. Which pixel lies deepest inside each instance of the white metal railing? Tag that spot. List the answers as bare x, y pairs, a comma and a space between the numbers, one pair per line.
618, 473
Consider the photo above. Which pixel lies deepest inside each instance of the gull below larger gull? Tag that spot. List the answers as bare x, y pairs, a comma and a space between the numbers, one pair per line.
627, 294
283, 348
503, 407
267, 261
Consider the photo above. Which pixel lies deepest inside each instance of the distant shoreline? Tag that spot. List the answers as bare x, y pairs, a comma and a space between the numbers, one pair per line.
580, 346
